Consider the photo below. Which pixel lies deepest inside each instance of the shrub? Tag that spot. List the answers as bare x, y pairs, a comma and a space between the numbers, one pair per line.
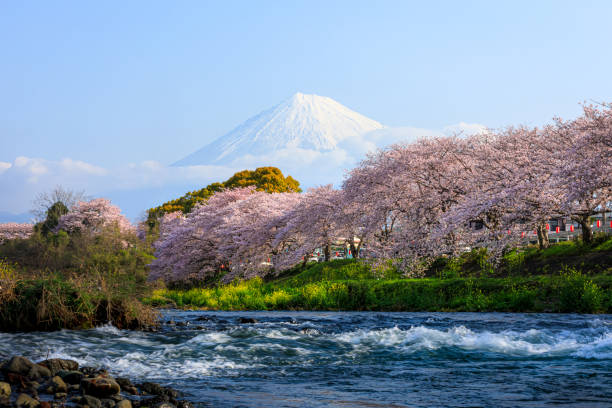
8, 281
75, 280
577, 293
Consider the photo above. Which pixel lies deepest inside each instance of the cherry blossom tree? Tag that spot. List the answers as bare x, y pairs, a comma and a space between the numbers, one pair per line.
584, 176
249, 233
187, 248
232, 234
92, 216
409, 202
512, 187
404, 190
313, 222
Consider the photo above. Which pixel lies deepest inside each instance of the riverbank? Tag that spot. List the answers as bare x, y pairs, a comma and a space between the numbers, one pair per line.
565, 278
74, 281
54, 383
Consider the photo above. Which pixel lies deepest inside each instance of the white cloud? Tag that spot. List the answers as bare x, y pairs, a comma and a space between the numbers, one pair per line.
4, 166
81, 166
138, 186
21, 180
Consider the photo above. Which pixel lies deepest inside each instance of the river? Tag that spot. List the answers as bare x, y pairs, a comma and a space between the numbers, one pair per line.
353, 359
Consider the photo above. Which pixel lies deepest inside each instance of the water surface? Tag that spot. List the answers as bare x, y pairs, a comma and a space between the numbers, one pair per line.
334, 359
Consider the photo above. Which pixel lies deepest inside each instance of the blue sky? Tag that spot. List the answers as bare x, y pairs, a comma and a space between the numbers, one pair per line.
113, 83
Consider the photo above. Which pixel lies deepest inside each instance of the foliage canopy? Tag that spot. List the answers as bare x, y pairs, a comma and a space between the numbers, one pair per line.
268, 179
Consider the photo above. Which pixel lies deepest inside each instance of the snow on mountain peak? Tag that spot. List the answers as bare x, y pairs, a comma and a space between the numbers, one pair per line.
309, 122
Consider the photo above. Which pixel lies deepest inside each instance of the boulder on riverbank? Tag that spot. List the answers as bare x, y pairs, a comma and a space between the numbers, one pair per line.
100, 386
63, 383
24, 367
57, 364
5, 389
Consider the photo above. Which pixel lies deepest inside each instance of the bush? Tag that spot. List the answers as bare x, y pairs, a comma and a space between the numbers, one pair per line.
577, 293
75, 280
8, 281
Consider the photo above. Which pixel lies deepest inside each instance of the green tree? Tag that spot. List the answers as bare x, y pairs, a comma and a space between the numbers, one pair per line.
269, 179
53, 215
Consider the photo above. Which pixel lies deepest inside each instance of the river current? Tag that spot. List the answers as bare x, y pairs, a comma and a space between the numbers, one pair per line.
353, 359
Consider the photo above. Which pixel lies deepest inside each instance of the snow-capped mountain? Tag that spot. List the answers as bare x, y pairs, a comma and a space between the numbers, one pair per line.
301, 123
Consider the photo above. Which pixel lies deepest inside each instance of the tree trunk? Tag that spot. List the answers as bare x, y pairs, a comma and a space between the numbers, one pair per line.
543, 242
354, 250
585, 223
327, 252
587, 231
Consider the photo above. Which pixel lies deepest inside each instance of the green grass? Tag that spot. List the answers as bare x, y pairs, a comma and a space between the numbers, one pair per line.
571, 292
470, 282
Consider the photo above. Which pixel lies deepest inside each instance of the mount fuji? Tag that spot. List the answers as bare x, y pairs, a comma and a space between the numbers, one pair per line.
303, 124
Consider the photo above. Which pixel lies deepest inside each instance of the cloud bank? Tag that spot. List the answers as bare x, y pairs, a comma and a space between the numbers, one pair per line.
138, 186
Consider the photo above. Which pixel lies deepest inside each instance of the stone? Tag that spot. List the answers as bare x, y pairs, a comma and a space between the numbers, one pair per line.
156, 389
71, 377
124, 404
124, 382
108, 403
90, 401
5, 402
22, 366
57, 364
247, 320
163, 405
127, 385
150, 402
100, 386
45, 404
25, 401
58, 384
5, 389
184, 404
93, 371
60, 395
16, 379
131, 390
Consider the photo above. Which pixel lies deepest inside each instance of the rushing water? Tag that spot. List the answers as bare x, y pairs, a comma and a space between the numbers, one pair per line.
310, 359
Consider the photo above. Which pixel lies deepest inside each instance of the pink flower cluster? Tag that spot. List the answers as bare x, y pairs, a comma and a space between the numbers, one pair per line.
14, 230
92, 216
411, 202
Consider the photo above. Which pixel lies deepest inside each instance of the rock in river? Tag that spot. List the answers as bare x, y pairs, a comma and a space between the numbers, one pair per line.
23, 366
57, 364
90, 401
58, 385
71, 377
100, 386
124, 404
25, 401
5, 389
